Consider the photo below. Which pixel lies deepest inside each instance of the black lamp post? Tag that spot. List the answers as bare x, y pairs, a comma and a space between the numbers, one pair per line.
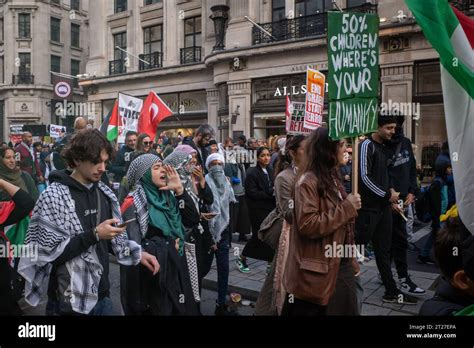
220, 14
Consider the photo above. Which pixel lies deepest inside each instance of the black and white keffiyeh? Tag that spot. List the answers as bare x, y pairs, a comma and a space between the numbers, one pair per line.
53, 224
180, 160
137, 169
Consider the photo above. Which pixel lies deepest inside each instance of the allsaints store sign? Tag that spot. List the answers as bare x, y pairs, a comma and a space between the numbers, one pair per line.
290, 91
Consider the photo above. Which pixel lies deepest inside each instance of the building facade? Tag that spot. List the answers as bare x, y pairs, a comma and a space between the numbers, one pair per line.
38, 37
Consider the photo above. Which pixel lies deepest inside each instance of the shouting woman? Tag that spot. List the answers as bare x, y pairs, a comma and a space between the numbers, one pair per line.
163, 287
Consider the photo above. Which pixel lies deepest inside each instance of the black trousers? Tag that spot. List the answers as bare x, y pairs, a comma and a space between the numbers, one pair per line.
344, 300
8, 300
376, 225
239, 217
400, 245
301, 308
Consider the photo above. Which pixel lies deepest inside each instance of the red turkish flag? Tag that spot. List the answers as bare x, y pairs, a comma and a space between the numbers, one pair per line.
154, 111
288, 112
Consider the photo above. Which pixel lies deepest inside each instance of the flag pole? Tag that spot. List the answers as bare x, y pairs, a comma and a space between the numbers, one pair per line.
355, 165
260, 28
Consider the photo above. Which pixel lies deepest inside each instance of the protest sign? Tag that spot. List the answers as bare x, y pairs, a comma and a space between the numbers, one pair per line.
353, 53
295, 123
315, 84
55, 131
129, 111
16, 132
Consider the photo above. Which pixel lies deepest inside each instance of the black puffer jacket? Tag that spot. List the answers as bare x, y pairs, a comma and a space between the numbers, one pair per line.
446, 301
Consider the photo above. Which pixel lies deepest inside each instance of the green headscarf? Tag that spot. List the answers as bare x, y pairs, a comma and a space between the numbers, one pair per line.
13, 176
162, 209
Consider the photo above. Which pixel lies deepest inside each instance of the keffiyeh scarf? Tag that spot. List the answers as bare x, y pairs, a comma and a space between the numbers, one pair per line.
53, 224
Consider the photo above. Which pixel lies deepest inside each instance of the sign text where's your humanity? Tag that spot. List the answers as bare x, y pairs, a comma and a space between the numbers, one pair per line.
353, 54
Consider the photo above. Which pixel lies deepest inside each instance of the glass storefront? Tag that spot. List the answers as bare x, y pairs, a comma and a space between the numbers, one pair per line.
269, 103
429, 132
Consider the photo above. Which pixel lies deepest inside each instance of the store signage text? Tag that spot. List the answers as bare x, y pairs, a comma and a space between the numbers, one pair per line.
293, 90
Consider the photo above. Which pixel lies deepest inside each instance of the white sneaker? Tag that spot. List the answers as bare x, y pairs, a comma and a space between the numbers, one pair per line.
408, 287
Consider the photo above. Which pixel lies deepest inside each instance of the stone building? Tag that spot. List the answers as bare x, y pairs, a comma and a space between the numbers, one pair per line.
37, 37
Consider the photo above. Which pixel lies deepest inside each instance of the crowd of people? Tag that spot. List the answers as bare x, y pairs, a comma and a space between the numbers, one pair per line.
166, 209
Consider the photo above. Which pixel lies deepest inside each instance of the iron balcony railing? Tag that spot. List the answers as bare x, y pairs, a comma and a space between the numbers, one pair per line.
117, 67
190, 54
300, 27
23, 79
154, 59
463, 5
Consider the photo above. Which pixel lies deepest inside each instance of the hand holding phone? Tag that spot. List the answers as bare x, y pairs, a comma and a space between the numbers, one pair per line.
125, 223
209, 216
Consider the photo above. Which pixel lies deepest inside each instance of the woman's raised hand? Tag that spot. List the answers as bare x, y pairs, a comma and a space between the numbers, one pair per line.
173, 181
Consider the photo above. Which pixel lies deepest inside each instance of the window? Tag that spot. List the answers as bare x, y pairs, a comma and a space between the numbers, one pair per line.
120, 6
55, 65
153, 39
75, 5
427, 80
25, 64
55, 29
75, 35
355, 3
117, 66
311, 7
150, 2
2, 70
75, 70
278, 10
192, 32
120, 40
1, 29
24, 26
2, 117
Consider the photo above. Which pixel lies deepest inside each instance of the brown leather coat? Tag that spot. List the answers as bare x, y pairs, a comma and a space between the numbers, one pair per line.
317, 223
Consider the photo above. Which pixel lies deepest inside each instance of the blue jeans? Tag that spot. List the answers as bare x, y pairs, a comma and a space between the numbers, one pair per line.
431, 239
222, 261
102, 308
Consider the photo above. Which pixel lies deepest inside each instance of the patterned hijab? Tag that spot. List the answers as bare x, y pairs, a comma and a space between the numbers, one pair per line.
154, 207
179, 160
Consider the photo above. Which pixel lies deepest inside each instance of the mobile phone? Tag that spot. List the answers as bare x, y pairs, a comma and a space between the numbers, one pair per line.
125, 223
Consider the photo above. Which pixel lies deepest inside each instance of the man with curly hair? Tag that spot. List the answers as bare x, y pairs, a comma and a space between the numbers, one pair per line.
74, 225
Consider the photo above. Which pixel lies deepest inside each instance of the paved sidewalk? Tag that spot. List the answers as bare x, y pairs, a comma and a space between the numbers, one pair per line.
249, 285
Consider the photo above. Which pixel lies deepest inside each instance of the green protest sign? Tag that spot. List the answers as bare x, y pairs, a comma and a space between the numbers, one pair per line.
353, 54
352, 117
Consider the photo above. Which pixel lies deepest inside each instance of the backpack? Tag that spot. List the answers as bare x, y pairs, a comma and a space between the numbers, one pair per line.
423, 204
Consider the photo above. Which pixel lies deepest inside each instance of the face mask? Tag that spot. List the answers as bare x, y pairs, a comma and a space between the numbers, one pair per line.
217, 173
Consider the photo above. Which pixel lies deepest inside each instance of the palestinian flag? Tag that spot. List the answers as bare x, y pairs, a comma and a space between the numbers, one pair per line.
113, 126
451, 33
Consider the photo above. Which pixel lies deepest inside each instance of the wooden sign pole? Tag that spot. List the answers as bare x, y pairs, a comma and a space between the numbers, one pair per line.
355, 165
